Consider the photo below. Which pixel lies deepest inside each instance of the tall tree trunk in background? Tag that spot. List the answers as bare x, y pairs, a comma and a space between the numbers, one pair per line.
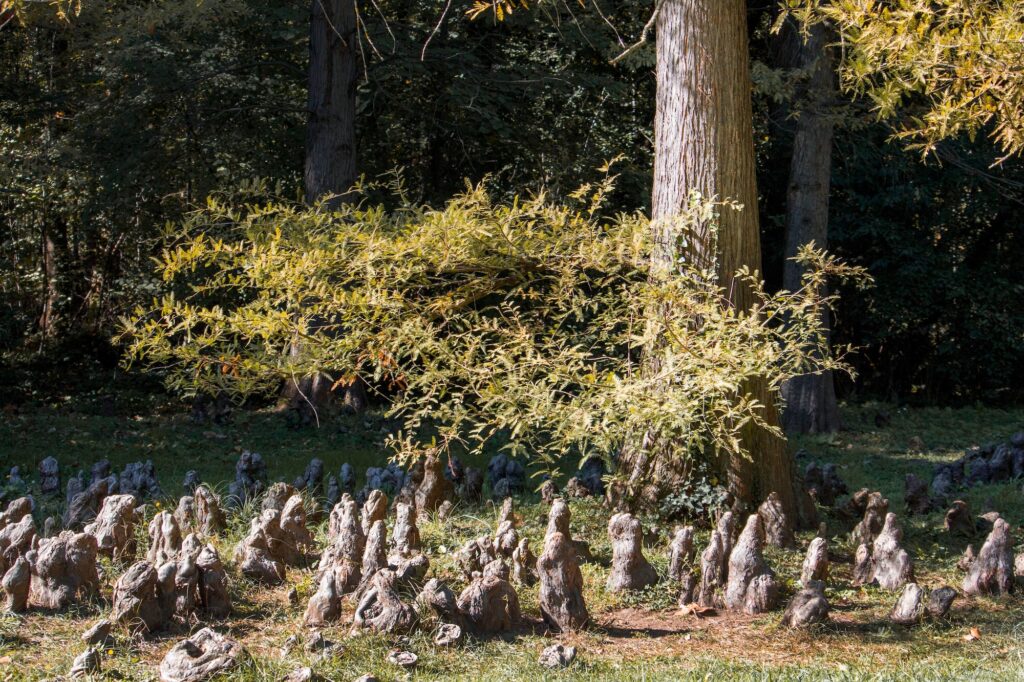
810, 400
330, 160
331, 128
704, 142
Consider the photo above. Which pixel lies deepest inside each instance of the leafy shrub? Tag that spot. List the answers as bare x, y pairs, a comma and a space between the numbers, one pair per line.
529, 324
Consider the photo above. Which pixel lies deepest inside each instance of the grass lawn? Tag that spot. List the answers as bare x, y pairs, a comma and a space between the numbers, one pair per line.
635, 637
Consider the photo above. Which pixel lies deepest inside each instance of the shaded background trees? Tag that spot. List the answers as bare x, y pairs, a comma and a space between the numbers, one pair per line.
114, 126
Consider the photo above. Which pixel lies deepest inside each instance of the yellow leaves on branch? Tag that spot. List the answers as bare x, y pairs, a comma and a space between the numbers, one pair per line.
943, 67
531, 323
500, 8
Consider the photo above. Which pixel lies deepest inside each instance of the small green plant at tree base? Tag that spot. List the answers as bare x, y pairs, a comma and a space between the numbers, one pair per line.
523, 325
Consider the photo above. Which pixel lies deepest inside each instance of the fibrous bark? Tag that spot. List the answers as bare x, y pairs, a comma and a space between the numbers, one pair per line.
874, 516
506, 538
164, 539
992, 572
381, 609
490, 605
630, 569
405, 537
114, 527
713, 570
261, 554
958, 519
374, 509
63, 568
200, 657
435, 488
807, 607
561, 582
892, 566
681, 554
704, 144
523, 563
908, 608
15, 585
778, 528
815, 565
751, 584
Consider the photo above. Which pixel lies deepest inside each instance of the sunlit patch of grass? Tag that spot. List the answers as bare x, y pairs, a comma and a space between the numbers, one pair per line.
859, 643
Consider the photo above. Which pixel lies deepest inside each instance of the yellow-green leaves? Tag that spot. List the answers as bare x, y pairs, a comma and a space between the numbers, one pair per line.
963, 60
525, 324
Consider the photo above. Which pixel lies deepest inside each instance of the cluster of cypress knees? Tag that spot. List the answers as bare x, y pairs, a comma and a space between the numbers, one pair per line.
182, 575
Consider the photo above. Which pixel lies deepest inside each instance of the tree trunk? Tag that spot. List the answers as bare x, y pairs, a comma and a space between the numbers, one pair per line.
810, 400
704, 143
330, 159
331, 128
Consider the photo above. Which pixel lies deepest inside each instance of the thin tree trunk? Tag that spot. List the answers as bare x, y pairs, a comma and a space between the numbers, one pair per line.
49, 262
810, 400
704, 143
330, 159
331, 128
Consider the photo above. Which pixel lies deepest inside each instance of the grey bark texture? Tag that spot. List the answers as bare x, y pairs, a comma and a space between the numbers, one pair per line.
992, 572
561, 582
703, 140
891, 563
815, 566
811, 399
201, 657
490, 605
751, 585
807, 607
630, 568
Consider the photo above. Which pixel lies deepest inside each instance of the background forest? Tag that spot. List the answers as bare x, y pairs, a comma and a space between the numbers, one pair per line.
118, 123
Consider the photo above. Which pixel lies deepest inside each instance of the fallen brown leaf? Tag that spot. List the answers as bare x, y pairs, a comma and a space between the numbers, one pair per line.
697, 610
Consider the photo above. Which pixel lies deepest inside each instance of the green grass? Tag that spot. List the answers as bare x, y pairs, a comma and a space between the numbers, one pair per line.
637, 637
